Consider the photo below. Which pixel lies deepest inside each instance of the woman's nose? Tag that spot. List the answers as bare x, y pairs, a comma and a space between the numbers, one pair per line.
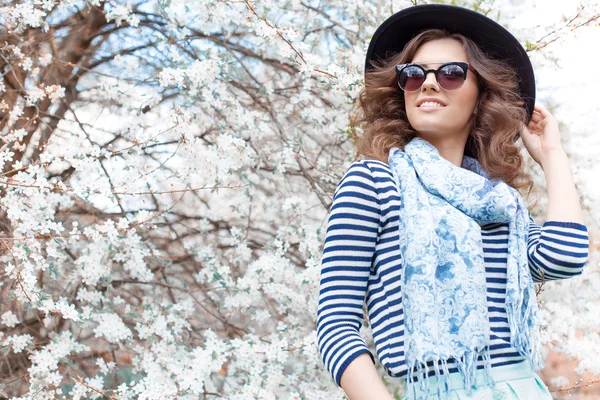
430, 79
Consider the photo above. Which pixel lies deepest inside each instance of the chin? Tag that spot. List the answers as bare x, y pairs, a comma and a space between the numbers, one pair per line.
431, 128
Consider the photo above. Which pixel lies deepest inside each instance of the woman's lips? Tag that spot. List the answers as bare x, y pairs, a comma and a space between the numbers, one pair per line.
430, 108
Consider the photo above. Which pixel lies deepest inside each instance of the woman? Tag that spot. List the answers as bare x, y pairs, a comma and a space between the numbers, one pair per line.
429, 229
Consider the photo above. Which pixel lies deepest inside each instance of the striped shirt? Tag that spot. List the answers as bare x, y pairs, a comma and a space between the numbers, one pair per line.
361, 264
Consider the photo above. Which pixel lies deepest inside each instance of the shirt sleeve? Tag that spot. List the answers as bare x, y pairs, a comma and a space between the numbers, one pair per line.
352, 231
557, 249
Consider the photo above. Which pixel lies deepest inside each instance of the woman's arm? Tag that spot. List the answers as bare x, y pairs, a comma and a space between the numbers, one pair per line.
350, 240
556, 250
559, 249
361, 381
563, 200
543, 142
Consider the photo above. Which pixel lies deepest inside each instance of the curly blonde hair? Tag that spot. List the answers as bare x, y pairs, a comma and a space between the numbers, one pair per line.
380, 112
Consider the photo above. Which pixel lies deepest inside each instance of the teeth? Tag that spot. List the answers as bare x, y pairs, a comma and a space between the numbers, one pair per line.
431, 104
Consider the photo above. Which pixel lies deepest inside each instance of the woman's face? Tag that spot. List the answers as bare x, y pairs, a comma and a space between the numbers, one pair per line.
453, 121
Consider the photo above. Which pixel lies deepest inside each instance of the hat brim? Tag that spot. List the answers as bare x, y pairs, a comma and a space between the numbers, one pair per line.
396, 31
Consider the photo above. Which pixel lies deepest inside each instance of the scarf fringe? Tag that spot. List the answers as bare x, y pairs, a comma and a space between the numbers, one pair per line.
466, 364
524, 336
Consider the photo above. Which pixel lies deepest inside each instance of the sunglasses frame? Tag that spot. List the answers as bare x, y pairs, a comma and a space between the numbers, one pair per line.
463, 65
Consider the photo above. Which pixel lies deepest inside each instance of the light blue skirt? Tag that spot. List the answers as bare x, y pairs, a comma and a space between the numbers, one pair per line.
513, 382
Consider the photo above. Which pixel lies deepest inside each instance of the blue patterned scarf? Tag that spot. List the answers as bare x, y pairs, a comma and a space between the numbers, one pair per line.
444, 291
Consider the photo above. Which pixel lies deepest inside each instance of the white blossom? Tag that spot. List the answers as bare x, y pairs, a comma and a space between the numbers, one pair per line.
111, 327
9, 319
18, 342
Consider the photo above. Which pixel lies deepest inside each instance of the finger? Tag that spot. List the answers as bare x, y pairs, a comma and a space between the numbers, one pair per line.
523, 129
543, 112
535, 128
539, 123
536, 117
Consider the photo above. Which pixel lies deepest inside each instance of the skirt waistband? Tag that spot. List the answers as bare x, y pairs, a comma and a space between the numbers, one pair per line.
501, 373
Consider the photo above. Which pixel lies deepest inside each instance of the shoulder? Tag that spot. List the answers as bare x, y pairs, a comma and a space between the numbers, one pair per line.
373, 167
368, 174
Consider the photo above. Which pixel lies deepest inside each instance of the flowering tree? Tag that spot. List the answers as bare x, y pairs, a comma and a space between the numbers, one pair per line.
166, 169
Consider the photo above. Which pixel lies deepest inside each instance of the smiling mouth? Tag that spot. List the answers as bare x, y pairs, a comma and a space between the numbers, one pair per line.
429, 104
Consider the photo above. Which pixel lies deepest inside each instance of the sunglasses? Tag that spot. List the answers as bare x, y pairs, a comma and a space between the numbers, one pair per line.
450, 75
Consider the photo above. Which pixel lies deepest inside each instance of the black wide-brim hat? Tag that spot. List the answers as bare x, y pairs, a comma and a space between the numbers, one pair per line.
492, 38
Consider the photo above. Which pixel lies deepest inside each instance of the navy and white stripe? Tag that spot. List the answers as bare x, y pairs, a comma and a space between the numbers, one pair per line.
361, 264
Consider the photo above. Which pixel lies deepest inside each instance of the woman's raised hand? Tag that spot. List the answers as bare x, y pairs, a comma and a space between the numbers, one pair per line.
541, 137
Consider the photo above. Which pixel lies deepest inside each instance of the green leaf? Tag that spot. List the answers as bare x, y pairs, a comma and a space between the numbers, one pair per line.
530, 46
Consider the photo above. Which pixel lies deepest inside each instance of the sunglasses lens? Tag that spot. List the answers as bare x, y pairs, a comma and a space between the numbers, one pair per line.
451, 77
411, 78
